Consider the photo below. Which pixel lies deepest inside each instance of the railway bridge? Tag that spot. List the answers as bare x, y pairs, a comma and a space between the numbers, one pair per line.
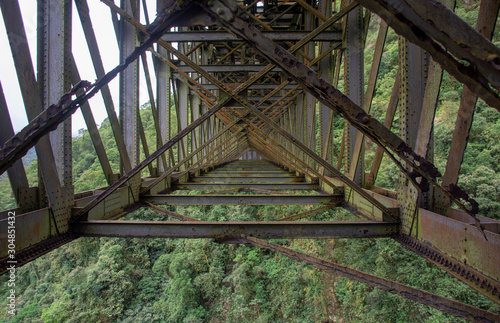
248, 99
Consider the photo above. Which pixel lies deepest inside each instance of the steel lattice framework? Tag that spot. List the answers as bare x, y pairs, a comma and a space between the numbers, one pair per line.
252, 89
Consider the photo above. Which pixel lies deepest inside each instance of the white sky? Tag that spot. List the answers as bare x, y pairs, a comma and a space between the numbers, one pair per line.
103, 28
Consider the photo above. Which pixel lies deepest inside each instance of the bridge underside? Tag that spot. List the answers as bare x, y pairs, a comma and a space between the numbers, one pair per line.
245, 102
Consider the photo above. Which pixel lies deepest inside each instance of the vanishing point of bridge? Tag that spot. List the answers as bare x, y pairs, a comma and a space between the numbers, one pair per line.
245, 98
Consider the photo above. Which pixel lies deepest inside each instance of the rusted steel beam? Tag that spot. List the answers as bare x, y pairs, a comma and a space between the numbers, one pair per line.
220, 36
465, 273
441, 303
409, 195
265, 26
222, 173
450, 41
53, 77
266, 230
228, 68
354, 76
235, 179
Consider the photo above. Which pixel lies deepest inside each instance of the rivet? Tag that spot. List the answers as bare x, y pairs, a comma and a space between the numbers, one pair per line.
220, 11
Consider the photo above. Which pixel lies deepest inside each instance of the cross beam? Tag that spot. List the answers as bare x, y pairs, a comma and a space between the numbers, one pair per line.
266, 230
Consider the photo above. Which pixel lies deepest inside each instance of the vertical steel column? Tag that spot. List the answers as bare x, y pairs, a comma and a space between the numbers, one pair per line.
129, 92
54, 79
354, 83
326, 71
309, 100
163, 100
195, 111
56, 74
182, 113
129, 83
413, 66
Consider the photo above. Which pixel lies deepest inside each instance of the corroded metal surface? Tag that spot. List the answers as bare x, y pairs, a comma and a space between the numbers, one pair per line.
443, 304
248, 87
267, 230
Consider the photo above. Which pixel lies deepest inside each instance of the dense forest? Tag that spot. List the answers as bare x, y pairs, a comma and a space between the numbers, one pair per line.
198, 280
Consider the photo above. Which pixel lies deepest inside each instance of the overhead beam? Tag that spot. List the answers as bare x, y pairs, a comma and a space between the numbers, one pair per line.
265, 230
229, 68
254, 86
218, 36
237, 179
262, 186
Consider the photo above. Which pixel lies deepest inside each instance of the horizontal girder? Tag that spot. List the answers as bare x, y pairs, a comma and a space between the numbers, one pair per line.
230, 69
219, 36
267, 230
242, 199
247, 179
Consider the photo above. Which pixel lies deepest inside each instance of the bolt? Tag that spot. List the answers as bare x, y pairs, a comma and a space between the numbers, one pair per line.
220, 11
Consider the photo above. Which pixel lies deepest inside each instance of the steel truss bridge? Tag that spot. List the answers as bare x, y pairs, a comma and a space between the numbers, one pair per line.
251, 90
